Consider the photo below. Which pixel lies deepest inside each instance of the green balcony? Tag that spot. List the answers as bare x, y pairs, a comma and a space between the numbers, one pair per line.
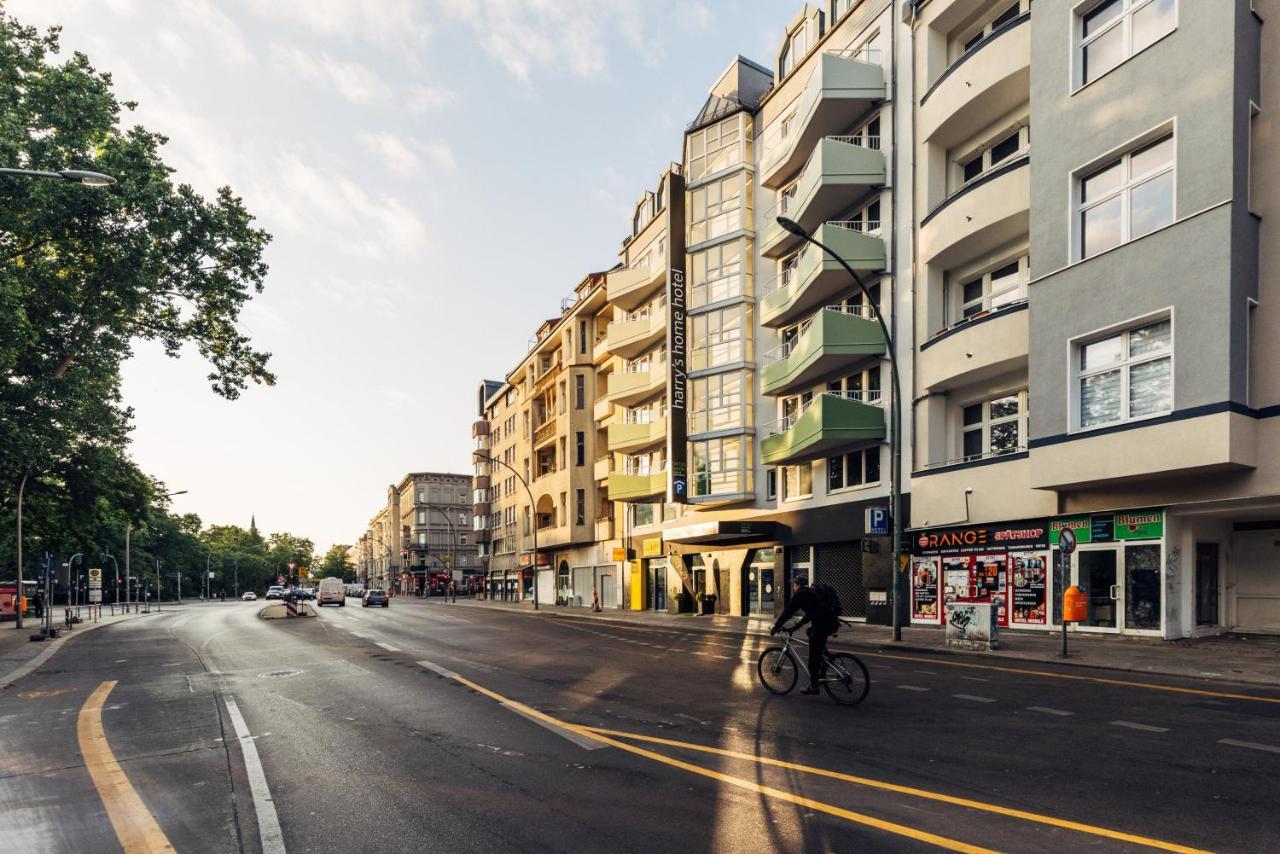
818, 279
630, 437
830, 424
837, 173
633, 487
836, 341
843, 85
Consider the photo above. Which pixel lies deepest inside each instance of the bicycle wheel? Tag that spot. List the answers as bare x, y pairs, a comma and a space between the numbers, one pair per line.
846, 680
777, 669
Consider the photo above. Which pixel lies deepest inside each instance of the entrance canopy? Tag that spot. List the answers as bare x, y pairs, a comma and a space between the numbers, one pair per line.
722, 533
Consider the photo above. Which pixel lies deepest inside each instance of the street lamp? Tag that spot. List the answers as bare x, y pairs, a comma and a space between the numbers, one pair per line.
532, 512
88, 179
75, 176
453, 560
895, 428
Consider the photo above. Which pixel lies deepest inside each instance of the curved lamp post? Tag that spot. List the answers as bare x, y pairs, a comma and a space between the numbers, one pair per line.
453, 534
533, 508
88, 179
895, 424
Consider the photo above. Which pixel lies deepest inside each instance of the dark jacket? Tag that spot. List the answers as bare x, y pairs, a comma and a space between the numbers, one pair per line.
807, 601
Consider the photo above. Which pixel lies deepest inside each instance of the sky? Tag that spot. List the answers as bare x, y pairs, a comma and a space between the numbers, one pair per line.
437, 175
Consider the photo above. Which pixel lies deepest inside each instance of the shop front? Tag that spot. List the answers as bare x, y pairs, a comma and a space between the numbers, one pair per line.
1006, 564
1118, 563
726, 566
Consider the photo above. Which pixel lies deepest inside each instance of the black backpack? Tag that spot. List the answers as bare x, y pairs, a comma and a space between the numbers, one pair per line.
828, 599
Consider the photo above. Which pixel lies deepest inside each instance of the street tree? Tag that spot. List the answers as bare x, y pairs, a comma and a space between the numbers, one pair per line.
338, 564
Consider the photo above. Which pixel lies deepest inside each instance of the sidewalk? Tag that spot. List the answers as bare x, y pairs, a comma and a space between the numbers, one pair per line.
19, 655
1252, 659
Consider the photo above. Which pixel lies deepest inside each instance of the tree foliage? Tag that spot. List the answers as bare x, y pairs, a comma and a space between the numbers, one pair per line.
85, 274
338, 564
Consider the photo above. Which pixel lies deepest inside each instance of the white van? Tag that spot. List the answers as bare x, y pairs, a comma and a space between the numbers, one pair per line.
331, 592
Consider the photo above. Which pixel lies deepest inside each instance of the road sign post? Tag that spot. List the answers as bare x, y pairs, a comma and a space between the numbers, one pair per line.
1066, 545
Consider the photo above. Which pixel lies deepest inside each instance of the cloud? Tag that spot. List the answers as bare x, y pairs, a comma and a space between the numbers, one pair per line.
392, 150
422, 99
355, 82
394, 24
175, 44
217, 28
441, 155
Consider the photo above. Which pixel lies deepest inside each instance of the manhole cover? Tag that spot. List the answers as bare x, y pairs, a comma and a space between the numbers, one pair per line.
278, 674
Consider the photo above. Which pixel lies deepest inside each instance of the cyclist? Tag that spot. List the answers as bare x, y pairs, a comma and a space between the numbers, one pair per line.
823, 624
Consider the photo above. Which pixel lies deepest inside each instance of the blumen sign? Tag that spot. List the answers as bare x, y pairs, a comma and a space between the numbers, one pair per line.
1107, 527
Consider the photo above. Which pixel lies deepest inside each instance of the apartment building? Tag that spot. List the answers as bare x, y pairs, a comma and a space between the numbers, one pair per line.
537, 479
1115, 276
423, 530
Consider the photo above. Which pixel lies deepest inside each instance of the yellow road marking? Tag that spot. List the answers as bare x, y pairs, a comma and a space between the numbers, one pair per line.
858, 818
135, 827
1153, 686
600, 732
33, 695
1021, 671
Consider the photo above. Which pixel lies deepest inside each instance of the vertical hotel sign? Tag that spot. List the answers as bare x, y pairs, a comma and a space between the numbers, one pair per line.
677, 347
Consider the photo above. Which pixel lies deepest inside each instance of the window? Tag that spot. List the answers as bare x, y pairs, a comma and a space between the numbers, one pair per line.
580, 506
422, 538
994, 427
1127, 198
717, 147
794, 52
1112, 31
716, 209
857, 468
976, 37
582, 336
579, 391
771, 483
1005, 147
716, 274
1002, 286
1126, 376
863, 386
721, 466
580, 448
717, 403
797, 481
717, 337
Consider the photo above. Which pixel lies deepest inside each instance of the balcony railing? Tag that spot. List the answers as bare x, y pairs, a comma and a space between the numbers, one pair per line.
786, 348
786, 201
786, 276
1014, 297
972, 458
777, 143
874, 397
546, 430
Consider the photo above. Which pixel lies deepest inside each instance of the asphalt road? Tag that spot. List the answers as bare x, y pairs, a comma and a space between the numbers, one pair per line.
437, 727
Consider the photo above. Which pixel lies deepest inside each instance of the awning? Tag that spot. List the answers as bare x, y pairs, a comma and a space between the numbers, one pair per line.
722, 533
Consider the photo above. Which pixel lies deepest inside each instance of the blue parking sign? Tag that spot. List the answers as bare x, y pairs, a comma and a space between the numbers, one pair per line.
877, 520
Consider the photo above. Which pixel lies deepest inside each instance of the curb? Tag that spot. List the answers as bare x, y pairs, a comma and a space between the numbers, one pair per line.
909, 648
51, 649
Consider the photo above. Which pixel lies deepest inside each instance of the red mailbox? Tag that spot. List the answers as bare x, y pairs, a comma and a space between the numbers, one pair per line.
1075, 605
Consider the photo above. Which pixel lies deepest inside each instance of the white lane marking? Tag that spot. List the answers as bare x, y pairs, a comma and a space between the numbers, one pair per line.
973, 698
1138, 726
268, 822
975, 679
1252, 745
912, 688
1045, 710
388, 647
358, 634
585, 742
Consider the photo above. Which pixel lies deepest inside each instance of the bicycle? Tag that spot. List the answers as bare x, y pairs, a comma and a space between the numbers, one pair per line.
844, 676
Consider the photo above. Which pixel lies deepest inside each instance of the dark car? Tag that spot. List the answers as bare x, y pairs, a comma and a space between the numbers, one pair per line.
375, 598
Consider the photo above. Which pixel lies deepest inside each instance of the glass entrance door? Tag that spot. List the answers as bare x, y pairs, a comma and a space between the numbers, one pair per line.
1206, 584
658, 585
1096, 573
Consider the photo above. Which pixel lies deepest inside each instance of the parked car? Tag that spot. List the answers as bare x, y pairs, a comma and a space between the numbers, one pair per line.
275, 591
250, 597
376, 598
332, 592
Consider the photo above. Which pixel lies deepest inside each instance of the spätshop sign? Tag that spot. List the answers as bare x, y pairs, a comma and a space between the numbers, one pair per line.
975, 539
